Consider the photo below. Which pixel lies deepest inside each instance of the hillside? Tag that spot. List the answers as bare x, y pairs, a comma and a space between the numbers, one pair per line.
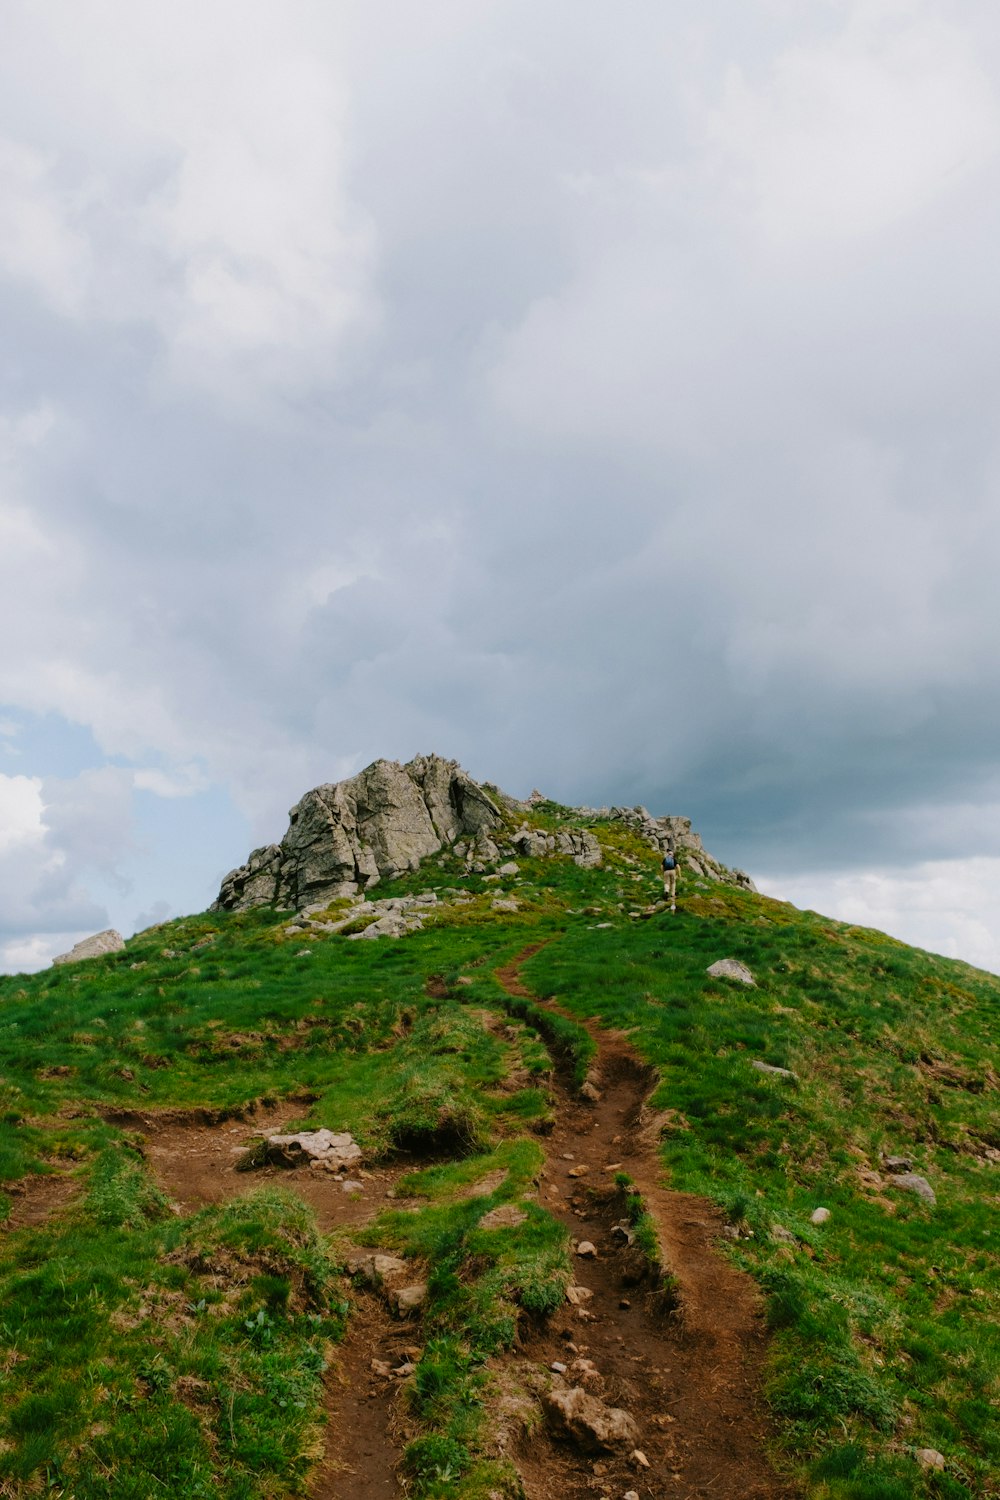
532, 1059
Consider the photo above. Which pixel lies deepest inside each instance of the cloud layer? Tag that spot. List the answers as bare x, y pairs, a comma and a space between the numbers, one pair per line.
607, 402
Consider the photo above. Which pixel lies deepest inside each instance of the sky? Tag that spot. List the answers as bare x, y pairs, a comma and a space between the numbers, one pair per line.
603, 395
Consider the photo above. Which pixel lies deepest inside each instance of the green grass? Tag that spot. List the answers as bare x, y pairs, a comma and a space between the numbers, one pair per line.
135, 1342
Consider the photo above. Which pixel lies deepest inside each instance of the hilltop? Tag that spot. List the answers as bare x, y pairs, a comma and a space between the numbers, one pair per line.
597, 1217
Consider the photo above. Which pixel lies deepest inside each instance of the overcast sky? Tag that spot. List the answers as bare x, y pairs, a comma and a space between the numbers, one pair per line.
604, 395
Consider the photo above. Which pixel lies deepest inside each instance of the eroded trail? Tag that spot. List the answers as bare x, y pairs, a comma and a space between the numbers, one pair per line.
687, 1367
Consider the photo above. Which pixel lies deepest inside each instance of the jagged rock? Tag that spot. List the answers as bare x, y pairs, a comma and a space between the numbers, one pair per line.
897, 1164
328, 1147
108, 941
346, 836
730, 968
576, 1295
586, 1421
503, 903
914, 1183
581, 846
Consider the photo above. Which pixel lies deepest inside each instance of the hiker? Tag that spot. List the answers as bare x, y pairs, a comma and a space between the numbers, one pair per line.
670, 877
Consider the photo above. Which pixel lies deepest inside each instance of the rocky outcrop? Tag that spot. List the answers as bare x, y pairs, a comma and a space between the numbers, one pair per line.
109, 941
346, 836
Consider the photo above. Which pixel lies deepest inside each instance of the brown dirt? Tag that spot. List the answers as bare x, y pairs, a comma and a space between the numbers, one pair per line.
195, 1163
361, 1465
34, 1199
688, 1367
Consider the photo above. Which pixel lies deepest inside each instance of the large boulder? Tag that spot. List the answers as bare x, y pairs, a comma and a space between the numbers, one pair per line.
108, 941
346, 836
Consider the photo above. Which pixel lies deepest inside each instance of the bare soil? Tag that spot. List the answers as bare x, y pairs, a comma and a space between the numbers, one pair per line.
687, 1365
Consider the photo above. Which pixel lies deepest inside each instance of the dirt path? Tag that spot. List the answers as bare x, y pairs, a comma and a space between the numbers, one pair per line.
689, 1373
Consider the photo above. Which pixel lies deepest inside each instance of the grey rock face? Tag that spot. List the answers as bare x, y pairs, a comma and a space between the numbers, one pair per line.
346, 836
108, 941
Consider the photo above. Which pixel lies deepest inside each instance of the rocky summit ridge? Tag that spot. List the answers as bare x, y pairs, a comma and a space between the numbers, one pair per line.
345, 837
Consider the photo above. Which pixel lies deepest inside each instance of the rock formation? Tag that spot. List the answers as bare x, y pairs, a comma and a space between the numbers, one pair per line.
109, 941
344, 838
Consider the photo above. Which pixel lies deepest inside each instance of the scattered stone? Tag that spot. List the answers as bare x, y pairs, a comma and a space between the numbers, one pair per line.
586, 1250
505, 904
590, 1424
405, 1369
819, 1216
586, 1373
328, 1147
929, 1458
578, 1171
731, 968
624, 1304
557, 1367
631, 1495
912, 1182
349, 1185
505, 1216
376, 1268
782, 1236
108, 941
588, 1092
380, 1367
509, 870
897, 1163
578, 1294
141, 965
763, 1067
568, 1156
409, 1299
639, 1458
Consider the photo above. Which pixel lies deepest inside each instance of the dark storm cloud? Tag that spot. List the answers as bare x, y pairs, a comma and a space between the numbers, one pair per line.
607, 400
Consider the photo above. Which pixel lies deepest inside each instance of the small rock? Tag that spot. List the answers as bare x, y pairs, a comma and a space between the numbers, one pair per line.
508, 904
819, 1216
379, 1367
782, 1236
588, 1092
586, 1250
631, 1495
108, 941
578, 1294
763, 1067
929, 1458
505, 1216
731, 968
913, 1183
409, 1298
897, 1163
376, 1268
580, 1171
639, 1458
586, 1420
557, 1367
349, 1185
405, 1369
624, 1304
510, 868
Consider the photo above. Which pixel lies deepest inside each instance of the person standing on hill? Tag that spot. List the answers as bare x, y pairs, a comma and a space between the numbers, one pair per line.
670, 876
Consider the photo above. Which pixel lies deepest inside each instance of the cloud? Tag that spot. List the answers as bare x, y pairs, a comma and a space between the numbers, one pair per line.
946, 906
612, 407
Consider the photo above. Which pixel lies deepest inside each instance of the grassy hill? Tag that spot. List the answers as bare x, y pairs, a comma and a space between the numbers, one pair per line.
148, 1348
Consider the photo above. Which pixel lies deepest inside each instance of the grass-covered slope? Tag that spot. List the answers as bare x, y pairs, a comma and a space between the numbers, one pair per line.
144, 1351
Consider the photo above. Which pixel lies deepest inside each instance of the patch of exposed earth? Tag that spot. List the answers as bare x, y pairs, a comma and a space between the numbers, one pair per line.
686, 1366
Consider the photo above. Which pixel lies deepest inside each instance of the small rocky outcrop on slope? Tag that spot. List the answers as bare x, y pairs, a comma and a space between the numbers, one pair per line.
349, 835
343, 838
108, 941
